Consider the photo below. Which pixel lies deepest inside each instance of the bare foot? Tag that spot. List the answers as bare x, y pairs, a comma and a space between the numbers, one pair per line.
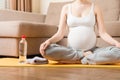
87, 53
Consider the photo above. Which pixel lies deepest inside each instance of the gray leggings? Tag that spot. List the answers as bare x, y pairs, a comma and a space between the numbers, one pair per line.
106, 55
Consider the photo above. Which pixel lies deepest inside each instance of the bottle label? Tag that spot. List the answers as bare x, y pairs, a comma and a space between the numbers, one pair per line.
21, 50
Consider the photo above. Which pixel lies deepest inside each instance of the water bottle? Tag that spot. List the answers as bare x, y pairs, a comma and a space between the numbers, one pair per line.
22, 50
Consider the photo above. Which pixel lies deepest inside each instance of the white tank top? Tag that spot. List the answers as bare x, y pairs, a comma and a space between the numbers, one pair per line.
81, 30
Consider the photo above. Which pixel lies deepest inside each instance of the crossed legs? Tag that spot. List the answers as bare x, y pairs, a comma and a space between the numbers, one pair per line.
106, 55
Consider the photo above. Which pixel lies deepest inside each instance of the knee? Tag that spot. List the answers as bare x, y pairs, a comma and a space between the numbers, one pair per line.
49, 51
114, 49
45, 51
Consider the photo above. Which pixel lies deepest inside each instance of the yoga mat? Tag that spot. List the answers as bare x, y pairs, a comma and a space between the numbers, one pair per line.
13, 62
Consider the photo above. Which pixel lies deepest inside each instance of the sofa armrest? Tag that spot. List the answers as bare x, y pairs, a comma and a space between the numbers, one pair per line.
12, 15
40, 30
30, 29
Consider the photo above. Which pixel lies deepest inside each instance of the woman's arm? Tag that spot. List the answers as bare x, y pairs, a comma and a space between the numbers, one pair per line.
61, 28
60, 33
101, 28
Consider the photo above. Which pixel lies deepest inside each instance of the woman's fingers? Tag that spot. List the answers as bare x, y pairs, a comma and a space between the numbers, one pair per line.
43, 47
118, 45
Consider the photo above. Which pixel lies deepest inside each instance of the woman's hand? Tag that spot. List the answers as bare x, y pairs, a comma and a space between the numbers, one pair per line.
87, 53
43, 46
117, 44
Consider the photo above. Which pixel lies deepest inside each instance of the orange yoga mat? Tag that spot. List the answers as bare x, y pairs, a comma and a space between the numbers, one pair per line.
13, 62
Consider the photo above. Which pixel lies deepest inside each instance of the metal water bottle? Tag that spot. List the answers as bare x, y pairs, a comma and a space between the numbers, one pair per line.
22, 50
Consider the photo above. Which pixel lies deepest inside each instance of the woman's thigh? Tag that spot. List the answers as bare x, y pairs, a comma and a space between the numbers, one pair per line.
106, 55
61, 53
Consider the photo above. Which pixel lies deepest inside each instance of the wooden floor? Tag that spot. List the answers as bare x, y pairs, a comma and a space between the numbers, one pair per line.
36, 73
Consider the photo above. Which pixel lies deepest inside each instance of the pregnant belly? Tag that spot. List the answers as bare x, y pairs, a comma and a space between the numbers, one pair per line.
82, 38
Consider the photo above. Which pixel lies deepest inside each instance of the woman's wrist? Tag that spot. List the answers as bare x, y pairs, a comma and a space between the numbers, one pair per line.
49, 41
116, 42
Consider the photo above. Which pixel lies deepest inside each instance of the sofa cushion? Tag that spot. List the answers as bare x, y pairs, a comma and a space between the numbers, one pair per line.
112, 28
53, 13
110, 10
30, 29
100, 42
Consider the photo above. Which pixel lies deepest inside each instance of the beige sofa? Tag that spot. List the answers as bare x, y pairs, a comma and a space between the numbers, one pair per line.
38, 27
15, 23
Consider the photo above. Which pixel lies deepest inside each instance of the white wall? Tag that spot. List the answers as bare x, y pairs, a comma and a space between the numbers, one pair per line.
45, 3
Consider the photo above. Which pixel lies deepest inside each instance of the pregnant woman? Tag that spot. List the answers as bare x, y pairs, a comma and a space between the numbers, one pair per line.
80, 18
